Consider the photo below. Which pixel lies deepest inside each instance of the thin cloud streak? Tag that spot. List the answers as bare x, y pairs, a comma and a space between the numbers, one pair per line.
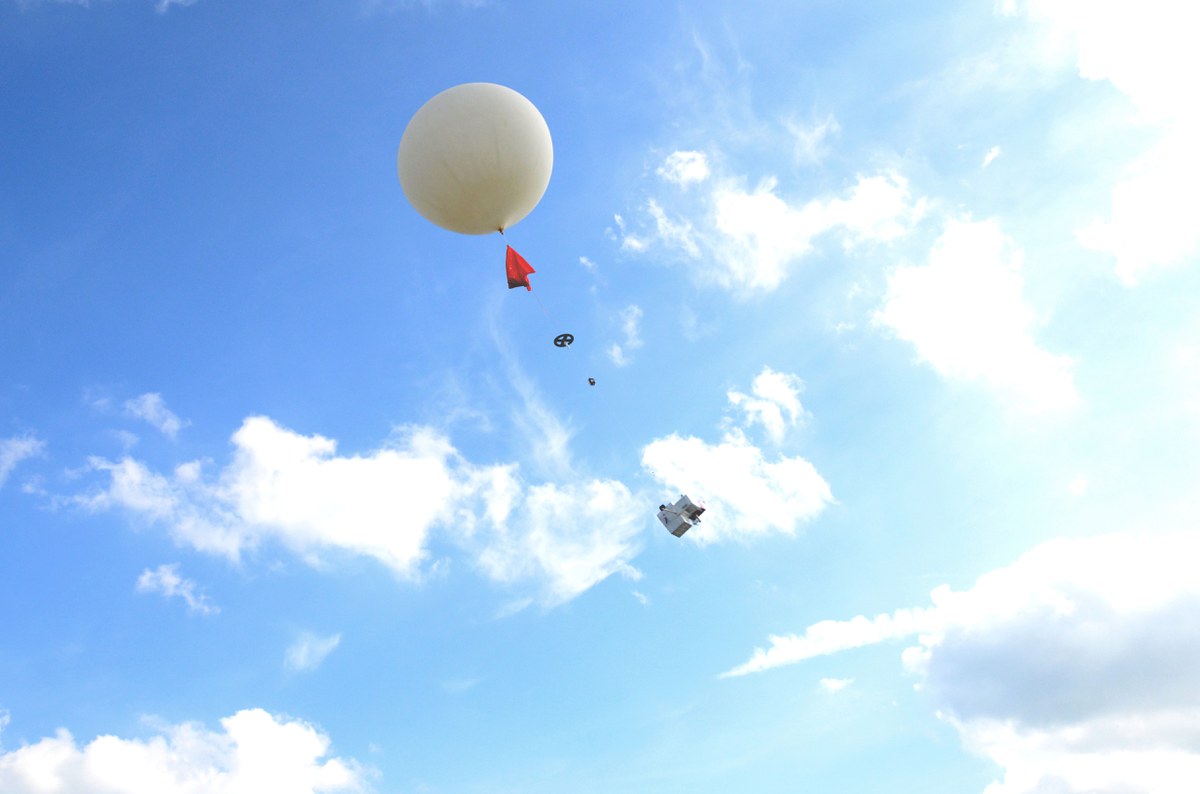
309, 651
166, 580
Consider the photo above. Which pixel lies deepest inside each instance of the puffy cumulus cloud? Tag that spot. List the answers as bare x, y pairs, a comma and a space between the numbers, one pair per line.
685, 168
308, 651
1154, 206
253, 751
967, 317
1143, 50
16, 449
1147, 52
750, 240
166, 580
296, 490
151, 408
763, 236
568, 536
748, 495
1073, 668
774, 403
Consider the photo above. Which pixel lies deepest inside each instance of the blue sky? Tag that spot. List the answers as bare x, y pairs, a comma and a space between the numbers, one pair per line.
296, 496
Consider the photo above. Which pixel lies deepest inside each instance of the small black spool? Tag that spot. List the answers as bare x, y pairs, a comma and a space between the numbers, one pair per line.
564, 340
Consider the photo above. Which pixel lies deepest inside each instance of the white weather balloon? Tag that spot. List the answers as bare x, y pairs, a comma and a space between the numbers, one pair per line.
476, 158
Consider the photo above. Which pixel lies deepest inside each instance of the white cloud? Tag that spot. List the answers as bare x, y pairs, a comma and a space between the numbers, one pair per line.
763, 236
775, 404
832, 636
672, 233
966, 315
308, 651
752, 239
630, 318
16, 449
458, 686
568, 536
835, 685
24, 4
1147, 52
165, 579
991, 155
152, 409
253, 751
629, 240
1183, 368
549, 438
809, 146
1072, 668
162, 6
296, 490
370, 7
746, 495
685, 168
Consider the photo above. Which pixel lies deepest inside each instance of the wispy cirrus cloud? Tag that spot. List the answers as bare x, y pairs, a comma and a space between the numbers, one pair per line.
835, 685
308, 651
152, 409
810, 140
17, 449
163, 6
630, 320
833, 636
166, 580
568, 536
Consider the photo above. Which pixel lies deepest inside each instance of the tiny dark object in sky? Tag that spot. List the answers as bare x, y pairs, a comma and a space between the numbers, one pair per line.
591, 381
564, 340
